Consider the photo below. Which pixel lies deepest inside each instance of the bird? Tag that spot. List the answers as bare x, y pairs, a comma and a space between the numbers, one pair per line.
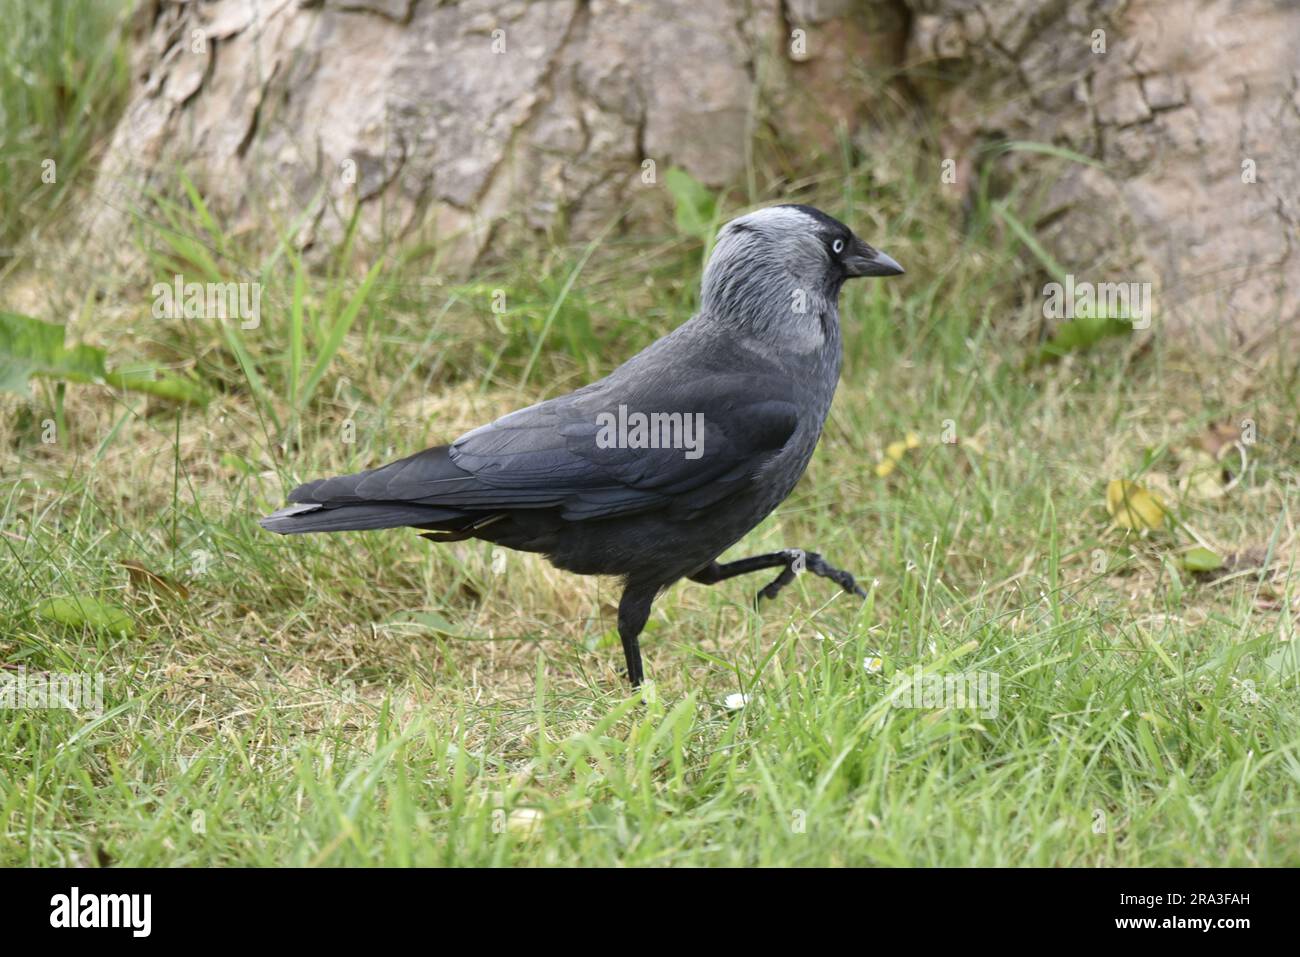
653, 472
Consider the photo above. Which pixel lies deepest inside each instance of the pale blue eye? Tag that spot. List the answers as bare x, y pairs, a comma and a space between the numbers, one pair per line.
838, 246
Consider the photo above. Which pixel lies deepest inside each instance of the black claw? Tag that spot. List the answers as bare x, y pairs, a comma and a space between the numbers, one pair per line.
773, 588
818, 566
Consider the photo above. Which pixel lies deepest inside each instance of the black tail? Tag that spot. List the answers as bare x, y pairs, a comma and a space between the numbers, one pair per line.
351, 518
392, 496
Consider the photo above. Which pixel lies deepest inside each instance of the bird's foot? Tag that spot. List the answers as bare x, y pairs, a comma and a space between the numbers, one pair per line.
800, 560
818, 566
773, 588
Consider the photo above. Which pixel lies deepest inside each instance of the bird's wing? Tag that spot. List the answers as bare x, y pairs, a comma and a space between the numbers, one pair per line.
555, 454
571, 447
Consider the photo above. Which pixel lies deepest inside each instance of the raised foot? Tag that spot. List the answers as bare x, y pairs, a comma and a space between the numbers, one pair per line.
800, 560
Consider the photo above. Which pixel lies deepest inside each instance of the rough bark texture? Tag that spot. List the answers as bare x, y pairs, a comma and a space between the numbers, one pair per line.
1194, 110
456, 119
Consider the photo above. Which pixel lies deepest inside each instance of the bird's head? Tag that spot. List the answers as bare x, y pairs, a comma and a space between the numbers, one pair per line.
772, 259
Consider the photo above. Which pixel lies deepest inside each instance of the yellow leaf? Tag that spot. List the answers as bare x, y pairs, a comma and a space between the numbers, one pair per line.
884, 467
913, 440
1132, 506
896, 450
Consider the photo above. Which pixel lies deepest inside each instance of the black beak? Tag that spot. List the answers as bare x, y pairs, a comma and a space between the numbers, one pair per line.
862, 260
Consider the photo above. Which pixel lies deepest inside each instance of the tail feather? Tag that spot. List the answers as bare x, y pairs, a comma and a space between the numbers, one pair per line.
314, 517
416, 492
422, 477
377, 498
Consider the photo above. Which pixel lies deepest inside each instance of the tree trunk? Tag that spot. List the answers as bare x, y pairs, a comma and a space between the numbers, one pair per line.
1192, 107
473, 122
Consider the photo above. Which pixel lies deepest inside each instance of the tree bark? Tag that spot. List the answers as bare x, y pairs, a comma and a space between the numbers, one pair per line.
1193, 109
476, 122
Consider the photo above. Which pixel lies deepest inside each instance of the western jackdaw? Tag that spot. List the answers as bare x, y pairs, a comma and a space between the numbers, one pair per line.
654, 471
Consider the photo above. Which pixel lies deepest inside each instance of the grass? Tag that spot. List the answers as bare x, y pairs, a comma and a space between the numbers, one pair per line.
63, 78
371, 699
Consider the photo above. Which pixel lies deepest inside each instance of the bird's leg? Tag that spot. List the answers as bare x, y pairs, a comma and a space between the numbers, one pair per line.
790, 560
633, 610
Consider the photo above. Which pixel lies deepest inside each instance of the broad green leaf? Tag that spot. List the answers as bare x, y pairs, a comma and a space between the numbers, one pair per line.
430, 620
31, 347
1201, 559
1081, 334
176, 388
83, 611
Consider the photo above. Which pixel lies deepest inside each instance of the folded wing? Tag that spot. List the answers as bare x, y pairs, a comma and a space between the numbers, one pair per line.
588, 454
